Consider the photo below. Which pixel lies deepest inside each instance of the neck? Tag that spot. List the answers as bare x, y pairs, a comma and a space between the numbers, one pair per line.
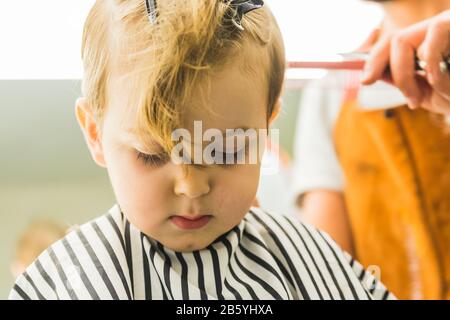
403, 13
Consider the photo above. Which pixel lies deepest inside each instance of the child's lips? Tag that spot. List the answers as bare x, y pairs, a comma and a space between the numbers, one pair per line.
190, 223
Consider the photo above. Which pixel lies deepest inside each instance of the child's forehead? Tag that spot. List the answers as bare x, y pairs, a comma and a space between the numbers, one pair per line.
232, 96
219, 91
234, 81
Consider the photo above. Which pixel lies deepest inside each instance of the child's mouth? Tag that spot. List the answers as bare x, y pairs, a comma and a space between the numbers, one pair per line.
190, 223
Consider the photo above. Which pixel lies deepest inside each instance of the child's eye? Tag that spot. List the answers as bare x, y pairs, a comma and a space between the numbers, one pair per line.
229, 158
154, 160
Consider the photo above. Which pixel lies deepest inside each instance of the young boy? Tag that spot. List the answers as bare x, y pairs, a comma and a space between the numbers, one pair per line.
183, 230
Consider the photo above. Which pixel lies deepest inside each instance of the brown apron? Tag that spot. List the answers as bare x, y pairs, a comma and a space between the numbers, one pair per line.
397, 170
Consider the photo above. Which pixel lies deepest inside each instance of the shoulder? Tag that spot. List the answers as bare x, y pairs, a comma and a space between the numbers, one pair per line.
287, 230
318, 267
287, 234
71, 267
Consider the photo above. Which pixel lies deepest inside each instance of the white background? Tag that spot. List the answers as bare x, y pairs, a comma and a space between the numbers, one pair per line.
40, 39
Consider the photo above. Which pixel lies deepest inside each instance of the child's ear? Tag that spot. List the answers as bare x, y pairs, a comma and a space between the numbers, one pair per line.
275, 112
90, 129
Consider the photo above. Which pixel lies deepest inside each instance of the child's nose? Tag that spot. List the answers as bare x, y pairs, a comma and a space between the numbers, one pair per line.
192, 182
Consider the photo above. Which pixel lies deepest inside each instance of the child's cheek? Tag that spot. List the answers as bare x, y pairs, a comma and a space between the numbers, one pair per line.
237, 187
139, 187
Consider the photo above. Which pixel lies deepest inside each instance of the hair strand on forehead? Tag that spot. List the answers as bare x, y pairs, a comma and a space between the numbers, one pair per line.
165, 61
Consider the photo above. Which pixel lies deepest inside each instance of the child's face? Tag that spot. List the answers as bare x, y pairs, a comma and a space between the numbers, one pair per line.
162, 199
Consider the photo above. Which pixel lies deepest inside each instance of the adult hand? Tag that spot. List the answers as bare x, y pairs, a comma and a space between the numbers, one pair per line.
430, 41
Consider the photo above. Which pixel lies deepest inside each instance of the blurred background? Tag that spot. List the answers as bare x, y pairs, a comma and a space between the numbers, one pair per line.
45, 169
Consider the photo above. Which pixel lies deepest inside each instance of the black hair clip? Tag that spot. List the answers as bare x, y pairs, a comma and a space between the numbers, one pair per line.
241, 8
151, 10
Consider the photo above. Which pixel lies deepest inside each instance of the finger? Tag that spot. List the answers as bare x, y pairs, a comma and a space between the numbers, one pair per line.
377, 62
402, 65
435, 47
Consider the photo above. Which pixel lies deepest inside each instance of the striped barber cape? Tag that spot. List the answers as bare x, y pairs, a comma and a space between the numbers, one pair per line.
267, 256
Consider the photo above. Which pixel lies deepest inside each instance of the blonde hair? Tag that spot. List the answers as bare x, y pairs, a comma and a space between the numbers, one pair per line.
163, 62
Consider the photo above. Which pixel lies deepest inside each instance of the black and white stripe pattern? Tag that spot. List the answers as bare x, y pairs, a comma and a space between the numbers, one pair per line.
266, 256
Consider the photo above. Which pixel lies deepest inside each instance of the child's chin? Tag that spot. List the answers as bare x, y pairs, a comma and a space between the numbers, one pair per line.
187, 246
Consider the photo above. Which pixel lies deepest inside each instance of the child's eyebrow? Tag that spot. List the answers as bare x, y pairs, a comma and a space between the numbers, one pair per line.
131, 137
